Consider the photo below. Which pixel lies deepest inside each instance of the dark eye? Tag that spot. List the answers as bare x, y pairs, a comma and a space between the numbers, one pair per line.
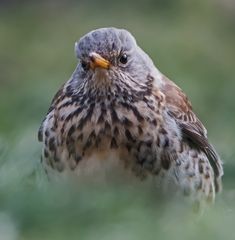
84, 65
123, 58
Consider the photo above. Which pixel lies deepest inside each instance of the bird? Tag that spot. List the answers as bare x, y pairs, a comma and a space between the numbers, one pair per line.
119, 112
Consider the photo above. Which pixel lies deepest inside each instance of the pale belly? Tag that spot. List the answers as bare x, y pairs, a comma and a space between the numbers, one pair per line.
109, 168
102, 166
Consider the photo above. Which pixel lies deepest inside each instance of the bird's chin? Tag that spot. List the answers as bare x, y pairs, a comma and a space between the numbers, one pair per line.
101, 76
100, 72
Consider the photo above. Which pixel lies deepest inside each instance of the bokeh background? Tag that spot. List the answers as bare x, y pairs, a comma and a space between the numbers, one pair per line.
192, 42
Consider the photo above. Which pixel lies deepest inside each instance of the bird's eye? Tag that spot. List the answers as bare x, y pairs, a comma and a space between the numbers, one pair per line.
84, 65
123, 58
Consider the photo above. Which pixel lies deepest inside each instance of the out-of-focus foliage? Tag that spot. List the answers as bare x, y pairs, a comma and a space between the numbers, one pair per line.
192, 42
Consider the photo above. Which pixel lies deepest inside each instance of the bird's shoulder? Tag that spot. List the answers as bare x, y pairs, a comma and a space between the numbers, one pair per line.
179, 106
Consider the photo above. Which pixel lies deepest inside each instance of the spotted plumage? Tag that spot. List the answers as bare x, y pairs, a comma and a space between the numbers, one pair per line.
117, 111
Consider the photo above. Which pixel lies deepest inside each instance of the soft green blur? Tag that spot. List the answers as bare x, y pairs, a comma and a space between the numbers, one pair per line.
192, 42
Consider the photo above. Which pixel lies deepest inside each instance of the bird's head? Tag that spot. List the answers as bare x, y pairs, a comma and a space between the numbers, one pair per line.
111, 56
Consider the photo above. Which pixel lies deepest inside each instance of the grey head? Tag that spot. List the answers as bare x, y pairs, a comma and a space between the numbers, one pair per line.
111, 57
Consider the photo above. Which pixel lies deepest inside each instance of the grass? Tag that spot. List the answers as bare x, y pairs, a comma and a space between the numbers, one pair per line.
192, 43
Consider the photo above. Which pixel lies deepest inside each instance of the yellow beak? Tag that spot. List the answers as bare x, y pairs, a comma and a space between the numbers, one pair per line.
98, 61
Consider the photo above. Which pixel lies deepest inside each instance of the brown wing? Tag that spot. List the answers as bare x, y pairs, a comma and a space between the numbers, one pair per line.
193, 131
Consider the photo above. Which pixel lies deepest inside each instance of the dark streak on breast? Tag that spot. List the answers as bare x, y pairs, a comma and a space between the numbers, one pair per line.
87, 117
127, 122
113, 143
129, 136
52, 144
137, 114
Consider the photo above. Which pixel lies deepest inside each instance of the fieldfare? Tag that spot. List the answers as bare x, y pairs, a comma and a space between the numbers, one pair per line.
119, 112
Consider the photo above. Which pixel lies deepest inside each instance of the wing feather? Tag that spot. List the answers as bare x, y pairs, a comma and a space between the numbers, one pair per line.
193, 131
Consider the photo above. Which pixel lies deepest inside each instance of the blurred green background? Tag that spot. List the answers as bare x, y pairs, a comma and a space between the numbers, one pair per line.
192, 42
